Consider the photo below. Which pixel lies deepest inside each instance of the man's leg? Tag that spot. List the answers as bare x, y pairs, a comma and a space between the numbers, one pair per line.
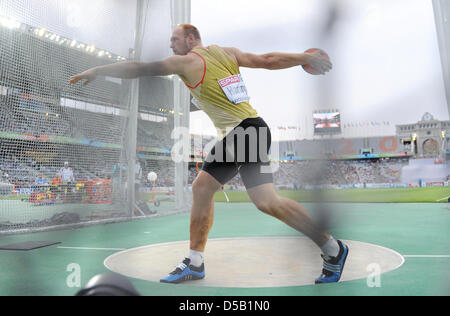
202, 213
202, 217
295, 215
290, 212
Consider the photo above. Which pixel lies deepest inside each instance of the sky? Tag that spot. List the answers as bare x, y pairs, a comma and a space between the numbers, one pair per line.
385, 54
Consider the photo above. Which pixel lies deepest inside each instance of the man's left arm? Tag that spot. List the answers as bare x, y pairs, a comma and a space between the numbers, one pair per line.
132, 70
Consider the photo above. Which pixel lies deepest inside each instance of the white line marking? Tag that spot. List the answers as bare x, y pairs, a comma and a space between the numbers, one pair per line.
85, 248
426, 256
226, 195
443, 199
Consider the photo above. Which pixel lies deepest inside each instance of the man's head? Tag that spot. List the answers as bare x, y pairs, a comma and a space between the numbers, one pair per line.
184, 38
66, 165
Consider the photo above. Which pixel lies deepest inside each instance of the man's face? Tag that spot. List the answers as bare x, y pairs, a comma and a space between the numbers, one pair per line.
178, 42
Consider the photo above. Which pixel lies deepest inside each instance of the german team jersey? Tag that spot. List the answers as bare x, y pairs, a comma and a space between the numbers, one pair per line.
222, 93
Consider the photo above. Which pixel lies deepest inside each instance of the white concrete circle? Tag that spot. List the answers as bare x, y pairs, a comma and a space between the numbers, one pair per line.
253, 262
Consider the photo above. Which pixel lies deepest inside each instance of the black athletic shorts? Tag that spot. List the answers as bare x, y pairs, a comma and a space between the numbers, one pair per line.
245, 150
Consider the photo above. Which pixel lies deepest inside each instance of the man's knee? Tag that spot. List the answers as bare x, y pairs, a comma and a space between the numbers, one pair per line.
270, 207
197, 186
204, 186
263, 207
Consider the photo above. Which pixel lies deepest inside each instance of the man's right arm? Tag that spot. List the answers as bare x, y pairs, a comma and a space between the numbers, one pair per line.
131, 70
275, 61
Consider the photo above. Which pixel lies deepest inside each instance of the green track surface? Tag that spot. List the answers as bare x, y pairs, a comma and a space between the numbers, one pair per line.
410, 229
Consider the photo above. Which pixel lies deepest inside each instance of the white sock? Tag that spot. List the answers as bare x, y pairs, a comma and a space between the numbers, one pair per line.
196, 258
331, 248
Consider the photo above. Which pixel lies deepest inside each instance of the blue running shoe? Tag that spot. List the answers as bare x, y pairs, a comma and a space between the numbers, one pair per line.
333, 266
185, 272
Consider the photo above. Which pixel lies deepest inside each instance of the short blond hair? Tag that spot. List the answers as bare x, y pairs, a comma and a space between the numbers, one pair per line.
190, 29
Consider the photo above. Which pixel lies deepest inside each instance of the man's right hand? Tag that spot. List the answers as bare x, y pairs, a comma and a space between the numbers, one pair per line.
89, 76
317, 61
